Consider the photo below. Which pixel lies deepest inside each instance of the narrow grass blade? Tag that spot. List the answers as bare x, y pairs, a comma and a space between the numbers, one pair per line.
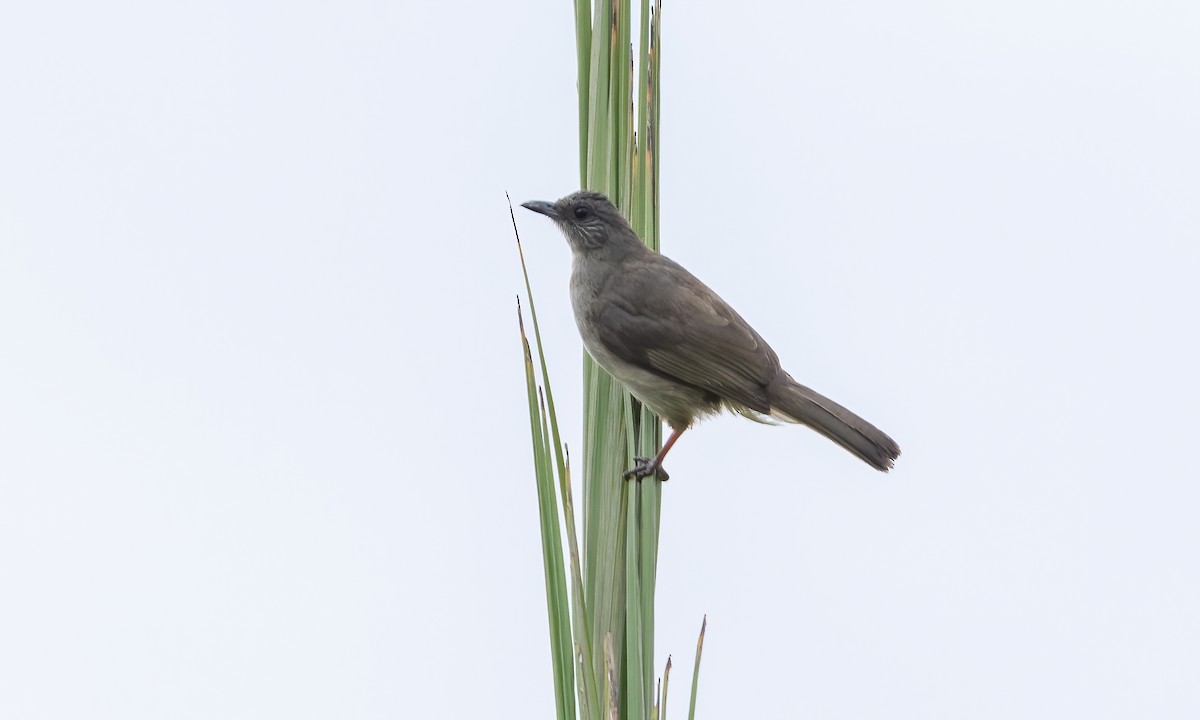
610, 675
557, 602
576, 608
666, 686
636, 699
696, 670
583, 62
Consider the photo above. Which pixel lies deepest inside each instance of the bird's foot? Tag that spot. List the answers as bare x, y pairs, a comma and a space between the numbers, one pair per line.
646, 467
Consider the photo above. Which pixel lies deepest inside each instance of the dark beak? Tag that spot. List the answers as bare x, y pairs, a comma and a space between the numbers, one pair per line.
543, 207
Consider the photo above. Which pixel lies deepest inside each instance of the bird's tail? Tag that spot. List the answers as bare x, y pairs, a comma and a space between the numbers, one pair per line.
793, 402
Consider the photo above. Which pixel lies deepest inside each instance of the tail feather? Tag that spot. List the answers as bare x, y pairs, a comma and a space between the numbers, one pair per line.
793, 402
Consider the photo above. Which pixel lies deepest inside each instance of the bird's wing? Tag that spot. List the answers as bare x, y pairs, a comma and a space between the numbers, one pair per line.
661, 318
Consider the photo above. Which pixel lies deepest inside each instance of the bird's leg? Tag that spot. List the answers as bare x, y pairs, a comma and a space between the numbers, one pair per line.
646, 467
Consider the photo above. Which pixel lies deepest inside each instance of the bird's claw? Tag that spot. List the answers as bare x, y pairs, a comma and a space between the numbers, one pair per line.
645, 467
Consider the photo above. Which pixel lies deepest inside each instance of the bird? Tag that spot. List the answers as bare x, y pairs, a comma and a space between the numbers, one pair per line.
677, 346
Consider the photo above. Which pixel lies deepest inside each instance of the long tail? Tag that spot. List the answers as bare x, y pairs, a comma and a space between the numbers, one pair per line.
793, 402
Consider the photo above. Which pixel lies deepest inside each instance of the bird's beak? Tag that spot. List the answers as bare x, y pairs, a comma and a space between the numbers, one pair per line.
543, 207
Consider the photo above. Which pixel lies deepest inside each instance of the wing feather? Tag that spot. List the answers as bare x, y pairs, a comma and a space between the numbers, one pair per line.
663, 319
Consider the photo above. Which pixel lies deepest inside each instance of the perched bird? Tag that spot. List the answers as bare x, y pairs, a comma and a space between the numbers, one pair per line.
676, 345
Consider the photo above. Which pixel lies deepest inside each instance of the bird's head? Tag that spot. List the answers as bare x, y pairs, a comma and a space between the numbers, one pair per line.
591, 223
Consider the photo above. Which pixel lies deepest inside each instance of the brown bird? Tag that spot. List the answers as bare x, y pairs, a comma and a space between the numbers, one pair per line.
676, 345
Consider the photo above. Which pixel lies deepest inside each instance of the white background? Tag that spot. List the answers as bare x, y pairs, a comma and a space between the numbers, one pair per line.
263, 446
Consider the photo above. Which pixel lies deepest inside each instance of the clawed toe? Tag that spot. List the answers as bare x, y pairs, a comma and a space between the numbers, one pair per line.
645, 467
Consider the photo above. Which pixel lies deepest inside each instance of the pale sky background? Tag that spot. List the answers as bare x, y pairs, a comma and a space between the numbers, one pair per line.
263, 445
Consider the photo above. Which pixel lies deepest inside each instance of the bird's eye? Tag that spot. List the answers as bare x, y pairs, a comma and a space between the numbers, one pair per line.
581, 213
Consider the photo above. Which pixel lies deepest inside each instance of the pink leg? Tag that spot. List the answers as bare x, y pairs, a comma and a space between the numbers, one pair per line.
654, 467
